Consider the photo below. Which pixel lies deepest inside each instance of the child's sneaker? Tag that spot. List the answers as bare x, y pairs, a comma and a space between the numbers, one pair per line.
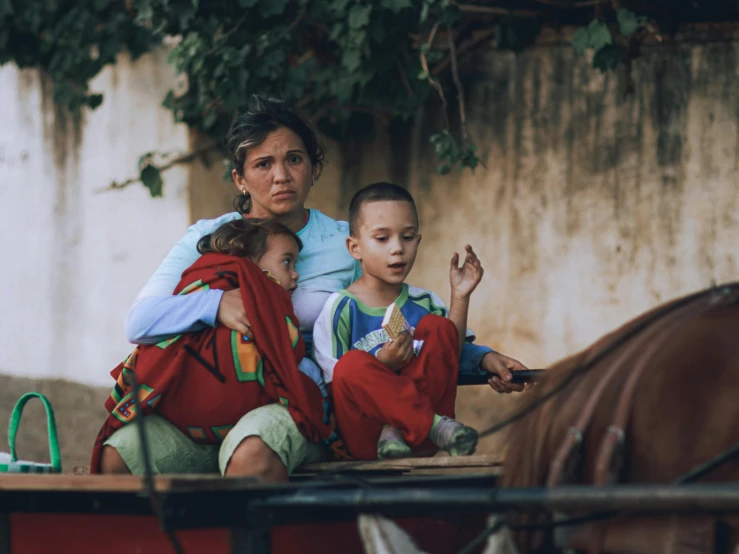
391, 444
457, 439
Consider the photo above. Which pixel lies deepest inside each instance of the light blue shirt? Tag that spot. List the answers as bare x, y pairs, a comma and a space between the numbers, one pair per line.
324, 265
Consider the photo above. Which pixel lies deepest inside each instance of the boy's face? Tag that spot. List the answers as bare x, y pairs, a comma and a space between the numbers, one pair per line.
279, 260
387, 240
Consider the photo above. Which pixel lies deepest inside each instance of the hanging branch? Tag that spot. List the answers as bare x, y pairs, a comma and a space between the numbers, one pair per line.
183, 159
434, 82
464, 48
460, 90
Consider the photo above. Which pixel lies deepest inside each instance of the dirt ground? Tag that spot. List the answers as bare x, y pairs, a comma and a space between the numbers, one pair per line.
79, 414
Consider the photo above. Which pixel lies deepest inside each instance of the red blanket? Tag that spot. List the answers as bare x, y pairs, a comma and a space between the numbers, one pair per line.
204, 382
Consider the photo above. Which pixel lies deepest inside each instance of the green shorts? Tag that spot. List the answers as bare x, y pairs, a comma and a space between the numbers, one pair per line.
173, 452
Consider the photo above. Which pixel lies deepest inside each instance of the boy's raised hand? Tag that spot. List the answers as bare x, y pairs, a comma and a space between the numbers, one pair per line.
465, 279
397, 353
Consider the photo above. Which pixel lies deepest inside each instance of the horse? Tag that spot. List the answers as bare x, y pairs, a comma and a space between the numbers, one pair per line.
644, 404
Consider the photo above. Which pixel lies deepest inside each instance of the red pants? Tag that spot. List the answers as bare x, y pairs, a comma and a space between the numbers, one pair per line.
368, 395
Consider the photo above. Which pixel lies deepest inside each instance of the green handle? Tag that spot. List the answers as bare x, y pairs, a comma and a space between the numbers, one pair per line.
15, 420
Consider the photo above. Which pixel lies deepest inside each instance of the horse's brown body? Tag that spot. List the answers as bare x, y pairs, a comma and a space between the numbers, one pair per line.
684, 412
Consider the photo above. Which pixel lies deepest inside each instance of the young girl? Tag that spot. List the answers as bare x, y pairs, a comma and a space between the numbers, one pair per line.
196, 388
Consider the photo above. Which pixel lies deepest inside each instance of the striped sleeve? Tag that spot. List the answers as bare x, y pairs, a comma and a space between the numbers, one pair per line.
332, 334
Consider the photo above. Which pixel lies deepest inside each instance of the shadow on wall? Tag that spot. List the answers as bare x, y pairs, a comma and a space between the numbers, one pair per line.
79, 415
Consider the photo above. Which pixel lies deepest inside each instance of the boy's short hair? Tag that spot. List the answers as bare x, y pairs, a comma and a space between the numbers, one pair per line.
245, 238
376, 192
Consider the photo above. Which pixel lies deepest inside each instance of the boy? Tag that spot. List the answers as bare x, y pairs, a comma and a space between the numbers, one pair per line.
386, 397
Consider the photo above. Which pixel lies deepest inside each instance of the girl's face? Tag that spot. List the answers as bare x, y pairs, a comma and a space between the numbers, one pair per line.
280, 259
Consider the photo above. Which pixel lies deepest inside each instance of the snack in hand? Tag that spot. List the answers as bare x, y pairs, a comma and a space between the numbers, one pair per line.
395, 322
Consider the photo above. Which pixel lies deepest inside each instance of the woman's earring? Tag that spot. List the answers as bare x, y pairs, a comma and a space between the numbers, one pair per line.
314, 182
244, 192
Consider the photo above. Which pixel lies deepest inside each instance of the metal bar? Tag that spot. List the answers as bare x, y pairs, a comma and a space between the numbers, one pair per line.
523, 376
632, 498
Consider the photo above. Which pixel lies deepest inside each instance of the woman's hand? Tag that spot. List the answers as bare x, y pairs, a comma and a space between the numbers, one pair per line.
501, 366
231, 313
397, 353
465, 279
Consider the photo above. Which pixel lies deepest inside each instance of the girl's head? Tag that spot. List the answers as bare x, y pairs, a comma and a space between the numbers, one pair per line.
269, 244
276, 157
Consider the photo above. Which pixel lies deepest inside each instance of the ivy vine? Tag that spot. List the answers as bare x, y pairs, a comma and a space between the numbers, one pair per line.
72, 40
347, 63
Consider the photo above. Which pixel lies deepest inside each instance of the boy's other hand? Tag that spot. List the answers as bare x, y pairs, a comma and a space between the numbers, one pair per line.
500, 367
465, 279
231, 313
397, 353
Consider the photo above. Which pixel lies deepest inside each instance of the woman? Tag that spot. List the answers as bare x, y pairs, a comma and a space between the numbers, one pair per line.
276, 158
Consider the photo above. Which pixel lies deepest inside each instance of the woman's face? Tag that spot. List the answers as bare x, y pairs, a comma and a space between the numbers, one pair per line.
277, 174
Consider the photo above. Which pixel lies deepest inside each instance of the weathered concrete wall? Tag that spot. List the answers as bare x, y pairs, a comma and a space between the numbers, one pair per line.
594, 206
73, 260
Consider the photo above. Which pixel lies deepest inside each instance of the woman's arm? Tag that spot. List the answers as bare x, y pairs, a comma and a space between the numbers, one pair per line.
156, 314
153, 319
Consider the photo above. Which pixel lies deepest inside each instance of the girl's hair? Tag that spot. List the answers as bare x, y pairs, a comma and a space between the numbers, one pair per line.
263, 116
245, 238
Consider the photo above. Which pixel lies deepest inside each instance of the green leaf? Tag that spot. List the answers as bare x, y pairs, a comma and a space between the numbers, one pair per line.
359, 16
247, 3
351, 59
94, 100
443, 169
269, 8
450, 16
338, 6
144, 11
6, 8
599, 34
581, 40
396, 5
629, 22
151, 177
336, 31
424, 15
517, 33
209, 120
608, 57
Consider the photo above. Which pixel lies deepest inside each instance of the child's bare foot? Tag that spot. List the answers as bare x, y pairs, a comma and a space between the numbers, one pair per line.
454, 437
391, 444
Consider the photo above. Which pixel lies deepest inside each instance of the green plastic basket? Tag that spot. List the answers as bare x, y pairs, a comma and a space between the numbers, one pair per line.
13, 465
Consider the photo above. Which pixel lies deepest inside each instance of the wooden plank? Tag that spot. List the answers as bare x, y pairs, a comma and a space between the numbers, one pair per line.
97, 483
406, 464
214, 482
121, 483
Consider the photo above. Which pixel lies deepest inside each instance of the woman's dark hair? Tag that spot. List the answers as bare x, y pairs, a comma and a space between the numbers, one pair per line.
263, 116
245, 238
